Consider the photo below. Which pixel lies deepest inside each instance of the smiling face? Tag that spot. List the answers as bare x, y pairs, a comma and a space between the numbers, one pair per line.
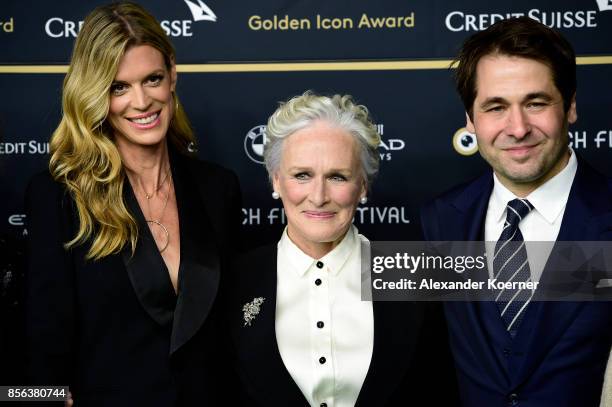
141, 103
519, 121
320, 183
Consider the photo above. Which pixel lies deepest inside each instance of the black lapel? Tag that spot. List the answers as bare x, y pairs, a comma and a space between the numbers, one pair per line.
581, 222
396, 329
146, 268
199, 270
258, 359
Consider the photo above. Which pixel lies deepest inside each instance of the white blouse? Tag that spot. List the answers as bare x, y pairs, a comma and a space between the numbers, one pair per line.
325, 333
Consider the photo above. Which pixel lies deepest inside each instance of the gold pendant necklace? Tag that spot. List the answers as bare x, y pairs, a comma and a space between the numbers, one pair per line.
157, 221
161, 184
161, 225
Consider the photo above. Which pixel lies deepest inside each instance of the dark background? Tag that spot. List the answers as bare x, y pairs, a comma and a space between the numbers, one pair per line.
418, 108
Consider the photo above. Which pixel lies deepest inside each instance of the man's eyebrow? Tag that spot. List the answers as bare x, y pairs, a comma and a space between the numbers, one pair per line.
493, 100
538, 95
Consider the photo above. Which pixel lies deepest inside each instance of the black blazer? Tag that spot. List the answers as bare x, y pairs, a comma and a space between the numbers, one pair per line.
113, 329
411, 363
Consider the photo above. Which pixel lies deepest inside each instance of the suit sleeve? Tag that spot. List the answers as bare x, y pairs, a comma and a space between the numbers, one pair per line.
435, 360
429, 222
50, 289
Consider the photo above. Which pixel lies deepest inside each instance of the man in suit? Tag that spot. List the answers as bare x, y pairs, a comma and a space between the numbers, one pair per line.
517, 80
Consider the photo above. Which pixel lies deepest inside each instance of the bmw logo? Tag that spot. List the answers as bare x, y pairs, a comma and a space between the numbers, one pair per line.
254, 143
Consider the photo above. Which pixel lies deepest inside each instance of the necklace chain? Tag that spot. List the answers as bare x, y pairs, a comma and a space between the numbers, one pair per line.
158, 221
161, 184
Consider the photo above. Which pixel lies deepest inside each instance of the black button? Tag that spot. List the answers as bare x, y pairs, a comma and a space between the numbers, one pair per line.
506, 352
320, 324
320, 264
322, 360
513, 399
323, 405
318, 281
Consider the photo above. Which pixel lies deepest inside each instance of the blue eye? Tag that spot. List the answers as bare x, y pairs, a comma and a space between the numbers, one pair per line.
302, 176
337, 177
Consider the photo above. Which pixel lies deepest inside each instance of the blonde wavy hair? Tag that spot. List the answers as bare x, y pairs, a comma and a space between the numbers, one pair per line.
84, 156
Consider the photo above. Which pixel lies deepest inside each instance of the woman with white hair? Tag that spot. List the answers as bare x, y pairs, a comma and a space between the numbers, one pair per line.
301, 332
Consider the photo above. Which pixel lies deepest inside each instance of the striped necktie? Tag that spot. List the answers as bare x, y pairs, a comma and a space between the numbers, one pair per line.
510, 264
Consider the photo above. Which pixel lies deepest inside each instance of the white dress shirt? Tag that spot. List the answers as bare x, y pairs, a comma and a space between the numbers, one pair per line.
542, 224
325, 333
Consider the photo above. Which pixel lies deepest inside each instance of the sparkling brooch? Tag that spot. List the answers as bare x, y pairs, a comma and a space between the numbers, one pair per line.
251, 310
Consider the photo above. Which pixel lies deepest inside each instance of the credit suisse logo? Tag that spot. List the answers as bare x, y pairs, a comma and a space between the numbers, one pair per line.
604, 5
465, 21
58, 27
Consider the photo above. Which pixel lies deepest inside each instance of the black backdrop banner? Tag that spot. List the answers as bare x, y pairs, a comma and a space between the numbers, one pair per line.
238, 59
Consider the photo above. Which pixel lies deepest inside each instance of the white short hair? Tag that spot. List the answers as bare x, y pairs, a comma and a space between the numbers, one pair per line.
339, 110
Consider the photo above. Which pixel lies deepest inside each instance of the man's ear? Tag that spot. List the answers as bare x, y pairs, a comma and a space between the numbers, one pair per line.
572, 113
469, 126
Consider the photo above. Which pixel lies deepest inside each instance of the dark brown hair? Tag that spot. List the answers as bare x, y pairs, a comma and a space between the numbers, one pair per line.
521, 37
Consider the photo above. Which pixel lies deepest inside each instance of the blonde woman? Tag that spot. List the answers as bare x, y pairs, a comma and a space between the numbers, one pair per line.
127, 231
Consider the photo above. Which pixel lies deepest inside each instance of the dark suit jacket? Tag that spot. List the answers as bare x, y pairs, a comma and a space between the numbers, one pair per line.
113, 329
411, 364
559, 355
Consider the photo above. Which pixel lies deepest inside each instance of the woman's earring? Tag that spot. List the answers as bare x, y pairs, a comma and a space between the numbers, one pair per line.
192, 147
363, 200
275, 195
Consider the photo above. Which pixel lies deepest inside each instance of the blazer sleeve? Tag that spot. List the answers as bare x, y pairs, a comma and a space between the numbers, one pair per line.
50, 284
429, 222
220, 191
234, 213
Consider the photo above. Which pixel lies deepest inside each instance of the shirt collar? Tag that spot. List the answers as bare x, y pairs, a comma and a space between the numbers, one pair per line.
301, 262
548, 199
